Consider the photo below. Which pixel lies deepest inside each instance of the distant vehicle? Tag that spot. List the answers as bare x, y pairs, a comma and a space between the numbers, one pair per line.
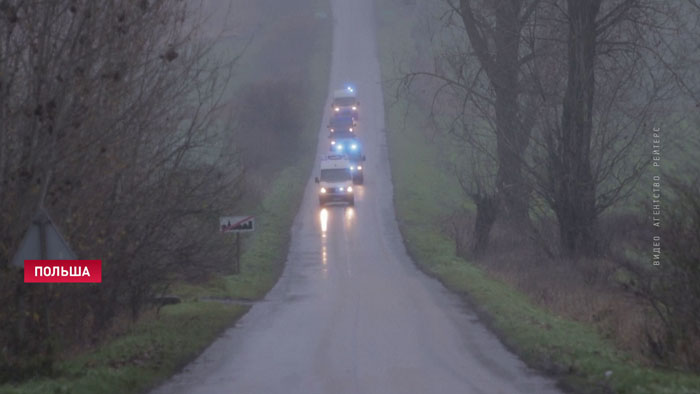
340, 134
349, 145
344, 100
341, 123
335, 181
345, 112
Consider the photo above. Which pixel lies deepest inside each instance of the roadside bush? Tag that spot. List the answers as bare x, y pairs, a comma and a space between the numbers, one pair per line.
106, 119
672, 288
586, 290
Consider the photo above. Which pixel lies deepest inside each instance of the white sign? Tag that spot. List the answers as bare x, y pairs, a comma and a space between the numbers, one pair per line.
55, 247
236, 224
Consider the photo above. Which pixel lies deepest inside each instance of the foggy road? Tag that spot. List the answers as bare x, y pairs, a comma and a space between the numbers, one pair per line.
351, 313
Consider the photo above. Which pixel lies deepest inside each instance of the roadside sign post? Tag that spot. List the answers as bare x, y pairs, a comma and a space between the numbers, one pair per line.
42, 241
238, 225
237, 265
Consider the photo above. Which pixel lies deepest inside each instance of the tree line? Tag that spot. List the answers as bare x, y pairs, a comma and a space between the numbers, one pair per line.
552, 105
108, 120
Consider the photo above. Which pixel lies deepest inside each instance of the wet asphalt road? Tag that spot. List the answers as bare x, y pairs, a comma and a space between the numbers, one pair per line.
351, 313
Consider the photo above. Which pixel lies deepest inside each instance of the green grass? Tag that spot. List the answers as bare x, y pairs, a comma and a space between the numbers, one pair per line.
424, 192
155, 347
150, 352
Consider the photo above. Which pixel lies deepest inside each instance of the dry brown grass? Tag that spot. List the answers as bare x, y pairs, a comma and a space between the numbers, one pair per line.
586, 290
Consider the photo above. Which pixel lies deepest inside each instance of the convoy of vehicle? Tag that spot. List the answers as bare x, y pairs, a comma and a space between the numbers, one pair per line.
343, 166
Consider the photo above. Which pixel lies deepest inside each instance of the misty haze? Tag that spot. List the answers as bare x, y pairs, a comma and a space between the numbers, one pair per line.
350, 196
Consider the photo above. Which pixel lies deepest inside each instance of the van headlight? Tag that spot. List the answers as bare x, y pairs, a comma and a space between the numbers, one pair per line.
323, 190
337, 109
359, 168
354, 108
349, 189
353, 147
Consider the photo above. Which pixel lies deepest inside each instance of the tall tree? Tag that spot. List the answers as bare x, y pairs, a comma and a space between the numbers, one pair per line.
484, 75
570, 164
614, 85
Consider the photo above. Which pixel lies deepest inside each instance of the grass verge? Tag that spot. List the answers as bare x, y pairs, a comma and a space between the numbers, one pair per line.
423, 192
160, 344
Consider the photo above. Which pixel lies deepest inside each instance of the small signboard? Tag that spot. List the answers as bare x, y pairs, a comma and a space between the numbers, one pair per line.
42, 241
236, 224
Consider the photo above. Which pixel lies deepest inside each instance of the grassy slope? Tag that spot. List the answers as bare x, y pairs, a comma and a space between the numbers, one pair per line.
424, 192
157, 346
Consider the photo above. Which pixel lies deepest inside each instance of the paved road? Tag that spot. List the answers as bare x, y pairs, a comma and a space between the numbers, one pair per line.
351, 313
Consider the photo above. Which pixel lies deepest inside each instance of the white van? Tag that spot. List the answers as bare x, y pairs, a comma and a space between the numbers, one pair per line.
335, 180
345, 102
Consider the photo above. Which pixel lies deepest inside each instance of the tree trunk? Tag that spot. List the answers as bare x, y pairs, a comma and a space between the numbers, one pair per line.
502, 67
512, 139
486, 213
575, 189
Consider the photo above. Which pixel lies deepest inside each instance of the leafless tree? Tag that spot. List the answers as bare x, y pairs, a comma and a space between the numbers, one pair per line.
107, 118
612, 88
480, 68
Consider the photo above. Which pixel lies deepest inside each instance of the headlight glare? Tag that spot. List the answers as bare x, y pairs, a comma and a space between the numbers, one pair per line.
349, 189
323, 190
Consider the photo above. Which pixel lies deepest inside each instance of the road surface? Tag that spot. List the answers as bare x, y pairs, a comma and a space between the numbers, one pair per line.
351, 313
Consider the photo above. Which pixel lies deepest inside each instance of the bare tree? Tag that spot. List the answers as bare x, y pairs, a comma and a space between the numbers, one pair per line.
481, 74
110, 109
598, 107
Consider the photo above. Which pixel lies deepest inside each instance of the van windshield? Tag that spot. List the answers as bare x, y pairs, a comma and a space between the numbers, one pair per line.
336, 175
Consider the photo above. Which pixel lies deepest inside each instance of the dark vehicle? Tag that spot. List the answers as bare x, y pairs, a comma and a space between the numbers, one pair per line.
348, 145
345, 112
341, 123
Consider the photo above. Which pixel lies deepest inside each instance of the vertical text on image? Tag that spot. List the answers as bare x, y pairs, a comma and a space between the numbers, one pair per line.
656, 196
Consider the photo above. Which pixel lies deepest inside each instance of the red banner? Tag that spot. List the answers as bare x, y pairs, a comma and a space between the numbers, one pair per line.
62, 271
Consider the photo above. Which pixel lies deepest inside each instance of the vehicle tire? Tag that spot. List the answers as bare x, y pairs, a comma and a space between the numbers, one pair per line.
361, 179
351, 202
